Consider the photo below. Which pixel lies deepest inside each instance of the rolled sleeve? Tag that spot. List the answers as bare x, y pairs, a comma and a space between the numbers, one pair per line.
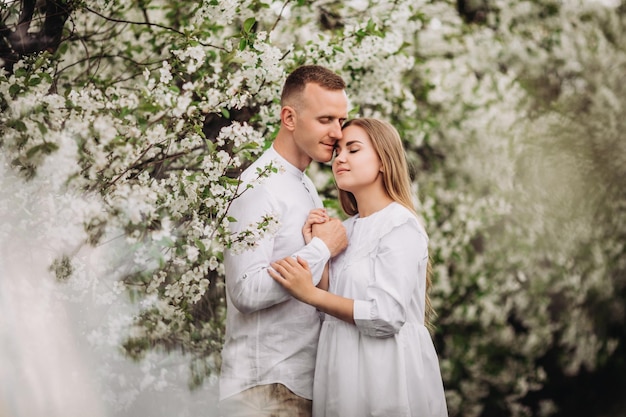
248, 283
370, 322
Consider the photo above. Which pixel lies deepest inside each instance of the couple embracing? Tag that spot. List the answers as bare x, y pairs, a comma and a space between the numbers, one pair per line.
328, 318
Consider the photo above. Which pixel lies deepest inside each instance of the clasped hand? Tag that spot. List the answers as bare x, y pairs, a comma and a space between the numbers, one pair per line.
294, 274
330, 230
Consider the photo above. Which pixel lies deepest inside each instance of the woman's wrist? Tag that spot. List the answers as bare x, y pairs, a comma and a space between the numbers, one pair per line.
314, 297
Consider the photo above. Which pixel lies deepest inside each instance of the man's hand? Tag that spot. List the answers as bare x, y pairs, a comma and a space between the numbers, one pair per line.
333, 234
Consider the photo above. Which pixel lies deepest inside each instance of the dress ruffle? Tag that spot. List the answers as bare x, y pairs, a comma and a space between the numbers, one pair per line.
375, 226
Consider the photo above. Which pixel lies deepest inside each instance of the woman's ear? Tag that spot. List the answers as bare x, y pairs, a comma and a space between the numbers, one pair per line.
288, 117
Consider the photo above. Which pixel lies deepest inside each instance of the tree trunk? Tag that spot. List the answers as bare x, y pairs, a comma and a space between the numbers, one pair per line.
18, 41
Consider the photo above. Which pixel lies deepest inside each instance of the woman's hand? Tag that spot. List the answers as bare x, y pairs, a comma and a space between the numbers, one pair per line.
316, 216
295, 276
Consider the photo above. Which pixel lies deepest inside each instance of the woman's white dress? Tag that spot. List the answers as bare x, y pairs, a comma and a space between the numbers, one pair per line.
386, 365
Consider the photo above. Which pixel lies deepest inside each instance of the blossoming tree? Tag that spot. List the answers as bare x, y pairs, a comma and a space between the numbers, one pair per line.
131, 121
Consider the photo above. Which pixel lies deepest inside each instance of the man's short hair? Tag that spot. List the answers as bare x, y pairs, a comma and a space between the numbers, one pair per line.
317, 74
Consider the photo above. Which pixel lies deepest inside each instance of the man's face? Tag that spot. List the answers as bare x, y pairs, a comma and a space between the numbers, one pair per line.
319, 118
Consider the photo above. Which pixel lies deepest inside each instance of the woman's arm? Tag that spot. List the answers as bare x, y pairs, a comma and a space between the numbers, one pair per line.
295, 276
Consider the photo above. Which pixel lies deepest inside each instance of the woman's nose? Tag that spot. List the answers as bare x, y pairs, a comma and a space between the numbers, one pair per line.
340, 157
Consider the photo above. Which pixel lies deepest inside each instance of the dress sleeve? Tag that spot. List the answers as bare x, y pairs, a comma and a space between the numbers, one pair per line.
399, 258
249, 285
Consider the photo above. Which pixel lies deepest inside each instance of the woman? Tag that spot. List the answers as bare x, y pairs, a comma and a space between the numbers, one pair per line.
375, 355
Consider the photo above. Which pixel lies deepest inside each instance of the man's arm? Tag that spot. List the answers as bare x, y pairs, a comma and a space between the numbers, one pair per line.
248, 284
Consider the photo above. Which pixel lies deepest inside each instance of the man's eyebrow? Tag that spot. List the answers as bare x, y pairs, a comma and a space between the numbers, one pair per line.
332, 116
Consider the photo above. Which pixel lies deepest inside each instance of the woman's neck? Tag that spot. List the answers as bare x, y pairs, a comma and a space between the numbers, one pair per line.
371, 201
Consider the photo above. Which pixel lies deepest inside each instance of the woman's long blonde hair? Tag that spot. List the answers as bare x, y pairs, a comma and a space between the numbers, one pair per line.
396, 180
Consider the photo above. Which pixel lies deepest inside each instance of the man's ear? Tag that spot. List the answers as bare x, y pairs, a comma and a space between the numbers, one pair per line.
288, 117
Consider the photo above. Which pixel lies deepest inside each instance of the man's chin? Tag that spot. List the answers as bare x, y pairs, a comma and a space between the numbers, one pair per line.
324, 159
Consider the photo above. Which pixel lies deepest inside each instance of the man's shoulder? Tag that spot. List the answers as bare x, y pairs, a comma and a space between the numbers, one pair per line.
261, 181
263, 166
269, 174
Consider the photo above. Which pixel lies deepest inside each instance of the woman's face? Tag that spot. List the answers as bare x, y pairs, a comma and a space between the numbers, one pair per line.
356, 164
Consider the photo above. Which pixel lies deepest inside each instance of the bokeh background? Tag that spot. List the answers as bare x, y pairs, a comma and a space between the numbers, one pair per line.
123, 128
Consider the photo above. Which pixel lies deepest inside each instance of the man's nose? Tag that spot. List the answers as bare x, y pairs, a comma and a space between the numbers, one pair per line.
336, 130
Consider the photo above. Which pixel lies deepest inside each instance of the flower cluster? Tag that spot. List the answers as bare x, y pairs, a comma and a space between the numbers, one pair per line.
129, 139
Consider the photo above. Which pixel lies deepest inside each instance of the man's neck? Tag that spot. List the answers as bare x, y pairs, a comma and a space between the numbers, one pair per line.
285, 146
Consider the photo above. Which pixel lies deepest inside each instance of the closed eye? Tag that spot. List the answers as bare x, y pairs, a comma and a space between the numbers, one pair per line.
337, 151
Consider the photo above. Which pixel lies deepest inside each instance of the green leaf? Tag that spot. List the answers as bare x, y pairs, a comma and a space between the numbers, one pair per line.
34, 81
247, 25
42, 128
18, 125
63, 47
45, 148
200, 245
14, 89
228, 180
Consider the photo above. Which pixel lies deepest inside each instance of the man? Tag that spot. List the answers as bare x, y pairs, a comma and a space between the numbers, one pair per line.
271, 338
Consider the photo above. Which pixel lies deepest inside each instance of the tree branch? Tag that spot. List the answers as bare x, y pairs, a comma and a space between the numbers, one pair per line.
113, 19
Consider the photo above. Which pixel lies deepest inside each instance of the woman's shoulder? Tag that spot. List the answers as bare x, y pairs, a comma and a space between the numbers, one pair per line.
401, 229
395, 215
388, 220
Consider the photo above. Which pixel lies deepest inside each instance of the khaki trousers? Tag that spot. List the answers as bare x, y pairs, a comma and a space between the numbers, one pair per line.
272, 400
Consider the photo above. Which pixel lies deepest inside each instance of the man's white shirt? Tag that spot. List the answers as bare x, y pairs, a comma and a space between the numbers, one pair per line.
270, 336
